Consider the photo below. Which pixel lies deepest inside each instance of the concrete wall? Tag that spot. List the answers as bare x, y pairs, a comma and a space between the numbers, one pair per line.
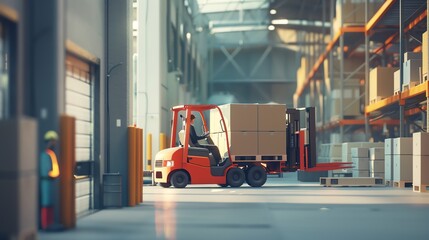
85, 27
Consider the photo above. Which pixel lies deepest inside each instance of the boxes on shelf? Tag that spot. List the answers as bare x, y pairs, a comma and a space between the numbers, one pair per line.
271, 143
397, 81
403, 168
412, 55
412, 72
380, 83
403, 146
271, 117
420, 144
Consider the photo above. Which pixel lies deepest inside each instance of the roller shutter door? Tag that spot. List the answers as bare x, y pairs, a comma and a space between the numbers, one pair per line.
79, 103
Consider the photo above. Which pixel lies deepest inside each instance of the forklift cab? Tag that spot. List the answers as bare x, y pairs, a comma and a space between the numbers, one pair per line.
193, 164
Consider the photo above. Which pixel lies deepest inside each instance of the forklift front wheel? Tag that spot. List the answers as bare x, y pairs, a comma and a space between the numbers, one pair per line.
179, 179
235, 177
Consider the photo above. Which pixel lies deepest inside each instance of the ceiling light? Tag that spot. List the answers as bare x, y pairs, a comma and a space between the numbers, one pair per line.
271, 27
280, 21
273, 11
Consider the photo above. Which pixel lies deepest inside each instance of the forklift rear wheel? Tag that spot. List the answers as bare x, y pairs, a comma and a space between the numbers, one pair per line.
165, 185
223, 185
256, 176
235, 177
179, 179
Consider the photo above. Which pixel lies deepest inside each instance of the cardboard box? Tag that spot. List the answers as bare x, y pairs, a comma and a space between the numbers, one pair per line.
376, 153
381, 83
424, 54
403, 146
403, 168
19, 204
271, 143
361, 164
388, 167
412, 55
271, 118
397, 81
421, 144
18, 141
357, 173
240, 143
388, 146
411, 71
359, 152
238, 118
376, 174
376, 166
420, 170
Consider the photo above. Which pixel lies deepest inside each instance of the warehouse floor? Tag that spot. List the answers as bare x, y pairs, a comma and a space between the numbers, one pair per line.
283, 209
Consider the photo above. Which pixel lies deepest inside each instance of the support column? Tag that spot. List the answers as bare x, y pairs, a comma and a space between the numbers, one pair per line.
152, 69
341, 77
367, 130
119, 60
401, 57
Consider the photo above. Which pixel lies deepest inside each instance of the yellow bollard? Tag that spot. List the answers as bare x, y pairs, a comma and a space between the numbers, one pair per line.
149, 151
162, 141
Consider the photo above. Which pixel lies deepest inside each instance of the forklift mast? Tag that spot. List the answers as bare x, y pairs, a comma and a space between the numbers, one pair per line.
301, 148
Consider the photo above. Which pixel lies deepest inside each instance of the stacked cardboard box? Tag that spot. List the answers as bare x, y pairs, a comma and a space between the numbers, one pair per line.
360, 162
380, 83
402, 160
420, 161
241, 122
388, 161
412, 72
376, 162
18, 179
397, 81
253, 129
347, 154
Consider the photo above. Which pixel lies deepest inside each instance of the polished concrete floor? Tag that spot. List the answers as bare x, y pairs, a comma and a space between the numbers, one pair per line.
282, 209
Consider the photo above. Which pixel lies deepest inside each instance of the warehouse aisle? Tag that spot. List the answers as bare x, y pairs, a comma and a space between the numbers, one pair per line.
283, 209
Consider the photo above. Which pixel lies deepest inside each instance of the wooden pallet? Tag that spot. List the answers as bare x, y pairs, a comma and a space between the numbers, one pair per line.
350, 181
408, 86
260, 158
402, 184
378, 98
420, 188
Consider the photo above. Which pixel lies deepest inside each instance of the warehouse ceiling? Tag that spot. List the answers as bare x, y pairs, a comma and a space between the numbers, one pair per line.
259, 22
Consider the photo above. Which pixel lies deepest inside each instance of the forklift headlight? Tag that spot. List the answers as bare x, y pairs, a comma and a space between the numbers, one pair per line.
168, 163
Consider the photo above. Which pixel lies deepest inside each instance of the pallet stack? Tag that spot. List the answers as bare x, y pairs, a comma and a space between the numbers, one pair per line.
360, 161
376, 162
403, 162
420, 162
388, 161
347, 154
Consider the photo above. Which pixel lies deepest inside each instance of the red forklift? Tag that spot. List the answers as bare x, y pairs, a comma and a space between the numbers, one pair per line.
182, 163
